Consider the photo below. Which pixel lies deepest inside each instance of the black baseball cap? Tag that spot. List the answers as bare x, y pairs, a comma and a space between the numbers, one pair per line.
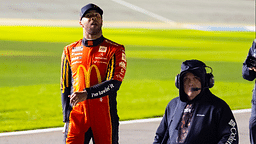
88, 7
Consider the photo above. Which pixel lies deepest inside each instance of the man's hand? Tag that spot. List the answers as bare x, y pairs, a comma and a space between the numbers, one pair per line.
252, 68
77, 97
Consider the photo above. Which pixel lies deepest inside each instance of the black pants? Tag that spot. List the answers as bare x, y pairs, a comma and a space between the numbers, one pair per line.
252, 124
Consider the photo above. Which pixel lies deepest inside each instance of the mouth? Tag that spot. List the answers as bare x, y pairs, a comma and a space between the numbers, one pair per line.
94, 24
195, 89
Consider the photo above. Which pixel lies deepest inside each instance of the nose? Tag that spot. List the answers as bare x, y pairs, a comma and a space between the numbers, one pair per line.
191, 82
94, 18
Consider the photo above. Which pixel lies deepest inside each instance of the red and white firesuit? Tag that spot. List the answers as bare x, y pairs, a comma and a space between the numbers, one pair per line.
97, 66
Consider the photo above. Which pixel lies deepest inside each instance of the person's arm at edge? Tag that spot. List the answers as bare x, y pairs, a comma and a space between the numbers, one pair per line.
248, 73
65, 85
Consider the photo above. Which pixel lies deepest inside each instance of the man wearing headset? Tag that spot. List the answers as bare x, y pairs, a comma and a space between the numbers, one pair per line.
196, 116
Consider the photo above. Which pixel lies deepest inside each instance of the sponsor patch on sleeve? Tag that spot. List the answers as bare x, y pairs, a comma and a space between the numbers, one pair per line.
233, 132
122, 64
123, 57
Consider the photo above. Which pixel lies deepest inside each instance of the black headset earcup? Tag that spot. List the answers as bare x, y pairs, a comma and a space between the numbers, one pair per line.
209, 80
177, 81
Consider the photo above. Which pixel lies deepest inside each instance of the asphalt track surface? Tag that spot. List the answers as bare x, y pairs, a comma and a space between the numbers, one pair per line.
131, 132
218, 14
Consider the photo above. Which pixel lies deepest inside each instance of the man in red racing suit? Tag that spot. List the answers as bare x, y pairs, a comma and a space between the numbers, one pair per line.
92, 72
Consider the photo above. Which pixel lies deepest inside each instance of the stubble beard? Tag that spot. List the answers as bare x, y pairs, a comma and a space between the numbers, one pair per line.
94, 30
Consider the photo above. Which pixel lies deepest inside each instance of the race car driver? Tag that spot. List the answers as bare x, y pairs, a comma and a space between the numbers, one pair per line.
92, 71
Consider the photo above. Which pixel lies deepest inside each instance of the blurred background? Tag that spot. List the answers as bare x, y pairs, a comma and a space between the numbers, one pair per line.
202, 12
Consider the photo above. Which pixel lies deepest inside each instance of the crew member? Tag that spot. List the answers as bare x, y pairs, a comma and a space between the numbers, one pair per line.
196, 116
249, 73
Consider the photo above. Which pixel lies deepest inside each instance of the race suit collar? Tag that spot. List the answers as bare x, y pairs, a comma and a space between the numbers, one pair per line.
92, 43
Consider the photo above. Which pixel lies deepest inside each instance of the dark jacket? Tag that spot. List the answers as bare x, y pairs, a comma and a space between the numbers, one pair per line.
212, 122
250, 75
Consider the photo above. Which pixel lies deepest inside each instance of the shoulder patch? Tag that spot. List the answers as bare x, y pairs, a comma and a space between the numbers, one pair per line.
123, 57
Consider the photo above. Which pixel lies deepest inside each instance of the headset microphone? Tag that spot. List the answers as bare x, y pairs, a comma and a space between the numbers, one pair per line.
195, 89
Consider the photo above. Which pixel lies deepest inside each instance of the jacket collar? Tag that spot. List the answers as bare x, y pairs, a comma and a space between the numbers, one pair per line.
92, 43
175, 120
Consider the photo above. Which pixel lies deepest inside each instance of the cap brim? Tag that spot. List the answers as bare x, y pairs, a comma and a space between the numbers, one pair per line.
96, 9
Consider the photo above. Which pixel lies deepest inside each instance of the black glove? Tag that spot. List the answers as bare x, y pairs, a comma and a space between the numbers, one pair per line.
251, 61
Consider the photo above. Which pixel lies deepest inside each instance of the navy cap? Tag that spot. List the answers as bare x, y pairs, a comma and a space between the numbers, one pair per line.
88, 7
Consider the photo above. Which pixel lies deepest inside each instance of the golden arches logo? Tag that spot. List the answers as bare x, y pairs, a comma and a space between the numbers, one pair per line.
87, 74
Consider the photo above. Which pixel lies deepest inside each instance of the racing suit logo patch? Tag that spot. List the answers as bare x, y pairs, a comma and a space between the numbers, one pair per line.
77, 49
76, 58
123, 57
86, 74
122, 64
102, 49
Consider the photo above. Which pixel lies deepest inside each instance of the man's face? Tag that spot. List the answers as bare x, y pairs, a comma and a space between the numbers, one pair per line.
191, 81
92, 22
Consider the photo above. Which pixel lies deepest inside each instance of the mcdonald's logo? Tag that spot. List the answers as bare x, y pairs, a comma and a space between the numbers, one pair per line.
87, 75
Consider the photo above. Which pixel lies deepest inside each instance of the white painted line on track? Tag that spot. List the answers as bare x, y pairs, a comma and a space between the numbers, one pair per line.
187, 26
141, 10
31, 132
121, 123
141, 121
126, 24
241, 111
